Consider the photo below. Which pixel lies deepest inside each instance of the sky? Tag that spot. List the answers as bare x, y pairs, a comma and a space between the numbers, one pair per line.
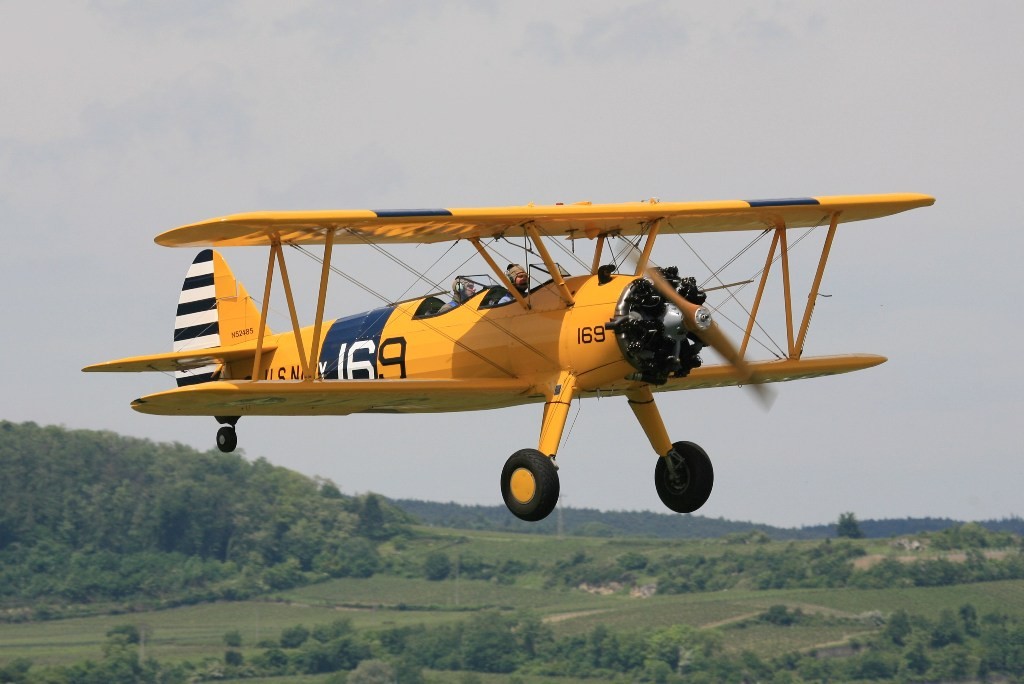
120, 120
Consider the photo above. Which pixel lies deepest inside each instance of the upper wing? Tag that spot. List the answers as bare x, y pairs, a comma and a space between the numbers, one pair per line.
573, 220
300, 398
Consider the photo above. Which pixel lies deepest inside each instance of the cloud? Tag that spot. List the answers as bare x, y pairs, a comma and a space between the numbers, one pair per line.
126, 119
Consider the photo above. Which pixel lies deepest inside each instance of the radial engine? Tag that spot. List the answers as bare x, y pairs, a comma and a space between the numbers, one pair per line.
651, 330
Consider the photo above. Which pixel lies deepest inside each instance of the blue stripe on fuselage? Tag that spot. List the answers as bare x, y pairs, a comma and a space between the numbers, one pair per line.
351, 345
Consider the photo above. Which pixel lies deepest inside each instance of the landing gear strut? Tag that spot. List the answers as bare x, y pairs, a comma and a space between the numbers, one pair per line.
529, 480
684, 476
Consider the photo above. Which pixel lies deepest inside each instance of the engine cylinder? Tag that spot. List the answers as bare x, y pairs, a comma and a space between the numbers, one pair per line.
651, 331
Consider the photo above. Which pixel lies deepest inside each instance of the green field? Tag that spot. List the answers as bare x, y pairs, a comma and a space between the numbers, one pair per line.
195, 633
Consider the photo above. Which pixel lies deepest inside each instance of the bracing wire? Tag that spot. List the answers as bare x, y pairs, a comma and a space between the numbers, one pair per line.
568, 433
733, 293
570, 254
429, 268
631, 247
423, 277
425, 322
337, 271
715, 275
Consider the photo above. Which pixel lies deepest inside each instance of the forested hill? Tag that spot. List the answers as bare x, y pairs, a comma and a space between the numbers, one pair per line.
594, 523
88, 515
98, 490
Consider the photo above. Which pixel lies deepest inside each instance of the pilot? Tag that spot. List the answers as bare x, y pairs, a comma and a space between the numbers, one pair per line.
520, 280
463, 290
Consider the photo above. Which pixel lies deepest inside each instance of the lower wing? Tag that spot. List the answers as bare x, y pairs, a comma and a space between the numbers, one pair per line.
337, 398
782, 370
343, 397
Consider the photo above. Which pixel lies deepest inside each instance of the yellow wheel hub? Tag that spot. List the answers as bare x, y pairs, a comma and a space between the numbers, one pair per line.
523, 485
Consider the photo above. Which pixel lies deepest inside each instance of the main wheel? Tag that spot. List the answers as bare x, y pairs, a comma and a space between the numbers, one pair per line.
529, 485
686, 485
227, 440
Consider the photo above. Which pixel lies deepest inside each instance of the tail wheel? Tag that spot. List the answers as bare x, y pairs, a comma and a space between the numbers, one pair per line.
227, 440
529, 485
684, 477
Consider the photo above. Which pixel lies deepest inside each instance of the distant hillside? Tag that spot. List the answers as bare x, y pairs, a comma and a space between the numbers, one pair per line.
93, 516
595, 523
883, 529
590, 522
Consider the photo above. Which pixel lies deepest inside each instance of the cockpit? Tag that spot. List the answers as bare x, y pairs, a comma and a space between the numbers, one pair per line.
466, 287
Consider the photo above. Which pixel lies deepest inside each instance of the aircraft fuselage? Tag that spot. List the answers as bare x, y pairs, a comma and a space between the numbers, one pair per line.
472, 340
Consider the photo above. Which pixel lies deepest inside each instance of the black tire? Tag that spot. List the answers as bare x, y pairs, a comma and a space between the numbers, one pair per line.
227, 440
689, 487
529, 485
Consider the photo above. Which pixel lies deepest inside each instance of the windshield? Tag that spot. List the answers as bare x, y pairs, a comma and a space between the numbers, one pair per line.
465, 287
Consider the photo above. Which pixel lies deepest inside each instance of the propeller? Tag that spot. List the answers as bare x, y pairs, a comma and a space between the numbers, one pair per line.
698, 320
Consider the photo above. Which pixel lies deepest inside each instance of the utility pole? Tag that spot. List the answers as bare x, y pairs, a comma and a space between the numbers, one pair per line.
561, 521
458, 563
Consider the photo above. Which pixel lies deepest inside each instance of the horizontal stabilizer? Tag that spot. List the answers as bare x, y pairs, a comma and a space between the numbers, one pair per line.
179, 361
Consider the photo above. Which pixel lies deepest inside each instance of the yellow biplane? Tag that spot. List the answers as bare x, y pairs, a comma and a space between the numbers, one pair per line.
630, 329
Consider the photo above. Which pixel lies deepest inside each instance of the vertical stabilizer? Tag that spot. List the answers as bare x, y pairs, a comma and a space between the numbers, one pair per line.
214, 310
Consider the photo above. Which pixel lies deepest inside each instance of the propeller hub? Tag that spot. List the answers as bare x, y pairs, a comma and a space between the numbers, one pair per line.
702, 318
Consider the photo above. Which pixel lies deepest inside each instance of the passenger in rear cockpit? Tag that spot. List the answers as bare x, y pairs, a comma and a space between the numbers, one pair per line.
520, 280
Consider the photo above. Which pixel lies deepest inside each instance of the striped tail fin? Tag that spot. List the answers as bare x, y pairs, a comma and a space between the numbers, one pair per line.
214, 310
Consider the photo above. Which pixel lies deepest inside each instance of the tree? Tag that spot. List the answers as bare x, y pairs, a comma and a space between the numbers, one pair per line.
293, 637
848, 527
898, 628
372, 672
437, 566
128, 634
371, 519
917, 659
489, 644
947, 630
969, 618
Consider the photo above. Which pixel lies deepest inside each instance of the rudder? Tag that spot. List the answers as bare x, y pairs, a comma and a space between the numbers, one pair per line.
214, 310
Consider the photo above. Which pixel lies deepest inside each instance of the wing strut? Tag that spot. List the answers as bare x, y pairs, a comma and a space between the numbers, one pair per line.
556, 275
256, 370
645, 256
780, 242
502, 276
760, 291
598, 249
812, 296
784, 247
309, 363
291, 305
321, 300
